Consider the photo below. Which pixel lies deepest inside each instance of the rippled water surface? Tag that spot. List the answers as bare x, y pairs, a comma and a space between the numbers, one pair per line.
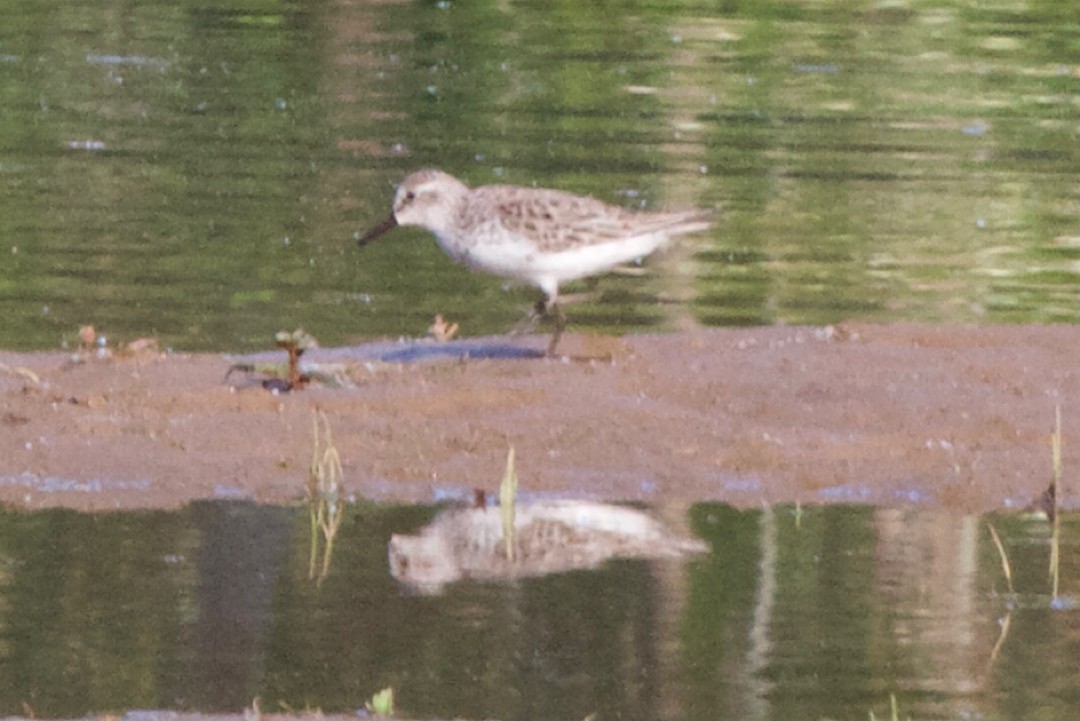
818, 614
199, 171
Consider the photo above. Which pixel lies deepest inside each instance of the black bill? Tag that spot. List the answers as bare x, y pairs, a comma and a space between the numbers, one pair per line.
387, 225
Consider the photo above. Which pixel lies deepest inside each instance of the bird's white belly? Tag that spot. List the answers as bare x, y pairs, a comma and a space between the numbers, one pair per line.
510, 258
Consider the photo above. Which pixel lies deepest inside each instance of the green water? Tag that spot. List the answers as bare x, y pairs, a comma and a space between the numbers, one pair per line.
198, 172
820, 617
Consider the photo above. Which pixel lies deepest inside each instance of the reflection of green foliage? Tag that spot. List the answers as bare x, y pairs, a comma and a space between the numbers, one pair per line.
721, 592
92, 613
157, 229
240, 299
130, 610
876, 161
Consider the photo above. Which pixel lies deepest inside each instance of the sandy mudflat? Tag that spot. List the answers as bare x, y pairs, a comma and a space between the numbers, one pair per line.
939, 416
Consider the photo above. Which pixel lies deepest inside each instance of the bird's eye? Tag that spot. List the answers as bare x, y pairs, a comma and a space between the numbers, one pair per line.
410, 196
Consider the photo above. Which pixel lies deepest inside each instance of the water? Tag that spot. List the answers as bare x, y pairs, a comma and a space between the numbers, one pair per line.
199, 172
818, 616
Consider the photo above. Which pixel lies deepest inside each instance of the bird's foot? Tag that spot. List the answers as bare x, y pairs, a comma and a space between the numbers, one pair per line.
531, 320
543, 308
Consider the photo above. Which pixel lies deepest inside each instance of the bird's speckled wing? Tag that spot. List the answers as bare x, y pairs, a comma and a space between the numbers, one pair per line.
558, 221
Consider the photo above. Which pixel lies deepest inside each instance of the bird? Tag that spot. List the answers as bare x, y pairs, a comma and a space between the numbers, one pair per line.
539, 236
549, 537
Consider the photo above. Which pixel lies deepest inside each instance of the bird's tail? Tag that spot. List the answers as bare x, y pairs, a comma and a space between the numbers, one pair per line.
690, 221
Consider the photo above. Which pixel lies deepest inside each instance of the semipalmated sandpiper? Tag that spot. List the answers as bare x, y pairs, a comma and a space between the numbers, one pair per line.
549, 537
540, 236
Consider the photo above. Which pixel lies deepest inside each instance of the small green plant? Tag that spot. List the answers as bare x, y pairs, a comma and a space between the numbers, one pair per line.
295, 343
381, 704
325, 504
1006, 567
507, 499
1055, 494
894, 712
253, 712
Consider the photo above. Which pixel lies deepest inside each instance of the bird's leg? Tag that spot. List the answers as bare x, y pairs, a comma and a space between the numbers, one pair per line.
553, 308
546, 306
531, 319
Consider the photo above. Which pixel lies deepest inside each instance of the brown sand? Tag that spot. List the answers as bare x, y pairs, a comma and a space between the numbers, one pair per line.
956, 417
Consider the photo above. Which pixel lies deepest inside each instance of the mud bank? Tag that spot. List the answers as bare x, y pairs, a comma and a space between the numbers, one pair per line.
956, 417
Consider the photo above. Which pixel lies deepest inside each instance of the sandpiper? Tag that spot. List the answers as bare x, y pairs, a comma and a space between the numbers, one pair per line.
540, 236
549, 537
